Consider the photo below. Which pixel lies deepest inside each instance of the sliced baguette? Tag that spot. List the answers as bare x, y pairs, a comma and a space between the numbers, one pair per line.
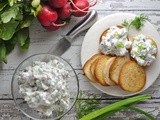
116, 67
87, 65
93, 66
132, 77
106, 69
99, 67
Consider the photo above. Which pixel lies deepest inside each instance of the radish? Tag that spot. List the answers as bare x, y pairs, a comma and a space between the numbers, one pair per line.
81, 7
47, 16
57, 3
65, 12
55, 26
51, 28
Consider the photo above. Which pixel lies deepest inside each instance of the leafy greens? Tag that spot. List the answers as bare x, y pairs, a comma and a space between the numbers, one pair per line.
15, 18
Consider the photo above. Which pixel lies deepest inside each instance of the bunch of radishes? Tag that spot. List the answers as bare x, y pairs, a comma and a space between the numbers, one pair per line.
56, 13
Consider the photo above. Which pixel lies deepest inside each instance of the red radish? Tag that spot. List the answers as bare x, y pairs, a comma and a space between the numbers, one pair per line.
80, 7
55, 26
47, 16
65, 12
58, 3
51, 28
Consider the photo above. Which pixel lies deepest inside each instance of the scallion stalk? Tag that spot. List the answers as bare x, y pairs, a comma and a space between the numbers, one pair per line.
115, 106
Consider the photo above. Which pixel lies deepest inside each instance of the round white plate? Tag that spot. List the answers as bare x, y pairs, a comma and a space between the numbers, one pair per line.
91, 43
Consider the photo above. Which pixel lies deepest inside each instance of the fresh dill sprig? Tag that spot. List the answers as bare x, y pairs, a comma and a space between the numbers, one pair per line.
137, 22
87, 105
125, 23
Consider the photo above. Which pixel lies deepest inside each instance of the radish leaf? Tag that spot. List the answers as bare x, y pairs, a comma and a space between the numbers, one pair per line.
22, 36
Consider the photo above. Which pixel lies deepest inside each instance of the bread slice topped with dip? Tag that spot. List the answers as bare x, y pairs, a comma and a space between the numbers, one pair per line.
114, 41
143, 50
106, 31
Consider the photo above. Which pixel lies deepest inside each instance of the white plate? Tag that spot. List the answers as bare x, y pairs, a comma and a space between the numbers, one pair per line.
91, 42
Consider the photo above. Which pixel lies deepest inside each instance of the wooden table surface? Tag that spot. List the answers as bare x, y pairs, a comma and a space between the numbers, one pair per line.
41, 42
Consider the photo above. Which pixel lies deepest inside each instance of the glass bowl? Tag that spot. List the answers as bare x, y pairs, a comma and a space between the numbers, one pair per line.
72, 81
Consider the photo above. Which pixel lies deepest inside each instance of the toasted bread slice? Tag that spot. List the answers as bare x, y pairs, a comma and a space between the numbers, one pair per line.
99, 67
87, 65
132, 77
93, 66
154, 43
106, 69
105, 32
116, 67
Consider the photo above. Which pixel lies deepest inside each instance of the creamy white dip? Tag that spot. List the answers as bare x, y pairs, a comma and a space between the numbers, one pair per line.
143, 50
44, 86
115, 42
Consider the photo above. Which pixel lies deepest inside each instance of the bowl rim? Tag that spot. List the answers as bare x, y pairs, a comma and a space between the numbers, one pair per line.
12, 93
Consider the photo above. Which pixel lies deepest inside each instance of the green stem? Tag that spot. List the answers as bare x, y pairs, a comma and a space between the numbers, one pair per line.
102, 117
115, 106
139, 111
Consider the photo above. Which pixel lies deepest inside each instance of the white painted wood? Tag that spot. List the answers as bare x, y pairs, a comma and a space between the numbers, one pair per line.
8, 111
42, 40
128, 5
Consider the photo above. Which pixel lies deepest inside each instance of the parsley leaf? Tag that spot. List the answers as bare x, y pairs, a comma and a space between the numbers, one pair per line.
27, 22
3, 52
11, 2
137, 22
22, 36
10, 13
7, 30
25, 47
3, 5
10, 44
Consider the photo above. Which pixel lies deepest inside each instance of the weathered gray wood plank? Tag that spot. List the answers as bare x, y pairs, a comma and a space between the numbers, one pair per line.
8, 111
142, 5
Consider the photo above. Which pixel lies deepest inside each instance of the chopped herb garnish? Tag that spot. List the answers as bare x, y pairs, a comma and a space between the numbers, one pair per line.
137, 22
140, 47
116, 33
142, 57
119, 44
136, 53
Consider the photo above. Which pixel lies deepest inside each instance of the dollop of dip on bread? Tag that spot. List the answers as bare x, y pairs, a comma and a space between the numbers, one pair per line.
114, 41
143, 50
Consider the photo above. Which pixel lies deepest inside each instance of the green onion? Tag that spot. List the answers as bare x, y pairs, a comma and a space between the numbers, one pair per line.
119, 44
136, 53
102, 117
115, 106
142, 57
116, 33
141, 47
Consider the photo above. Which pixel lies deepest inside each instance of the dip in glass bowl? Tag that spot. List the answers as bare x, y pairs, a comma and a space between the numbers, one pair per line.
45, 86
